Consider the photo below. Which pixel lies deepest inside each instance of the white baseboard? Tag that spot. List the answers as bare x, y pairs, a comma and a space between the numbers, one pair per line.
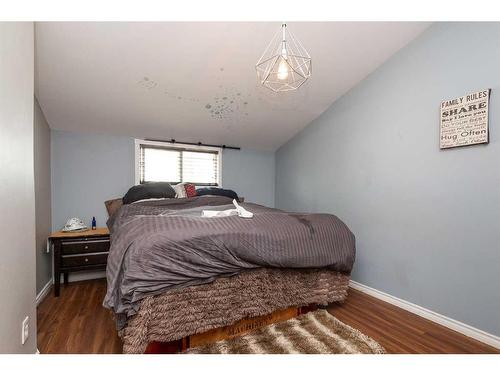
450, 323
43, 293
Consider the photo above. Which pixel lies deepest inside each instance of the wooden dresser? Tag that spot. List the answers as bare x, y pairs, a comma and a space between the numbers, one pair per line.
78, 251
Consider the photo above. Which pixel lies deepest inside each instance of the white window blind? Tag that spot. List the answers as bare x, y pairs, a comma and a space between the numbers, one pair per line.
175, 165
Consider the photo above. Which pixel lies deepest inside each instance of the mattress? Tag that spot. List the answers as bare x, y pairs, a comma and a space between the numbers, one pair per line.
166, 245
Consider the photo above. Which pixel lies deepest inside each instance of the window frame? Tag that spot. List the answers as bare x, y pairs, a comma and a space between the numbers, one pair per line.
168, 145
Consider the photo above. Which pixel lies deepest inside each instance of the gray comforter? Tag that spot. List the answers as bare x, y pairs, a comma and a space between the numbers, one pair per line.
159, 245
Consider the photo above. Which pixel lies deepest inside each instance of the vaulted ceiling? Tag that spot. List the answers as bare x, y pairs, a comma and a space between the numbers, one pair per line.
196, 81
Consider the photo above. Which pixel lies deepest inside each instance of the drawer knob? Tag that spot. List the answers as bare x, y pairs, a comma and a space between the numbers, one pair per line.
86, 247
86, 259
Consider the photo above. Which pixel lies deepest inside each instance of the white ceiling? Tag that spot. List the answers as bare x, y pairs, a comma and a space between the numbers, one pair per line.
196, 81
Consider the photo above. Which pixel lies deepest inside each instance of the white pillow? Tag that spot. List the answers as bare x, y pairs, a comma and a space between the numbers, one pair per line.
180, 190
150, 200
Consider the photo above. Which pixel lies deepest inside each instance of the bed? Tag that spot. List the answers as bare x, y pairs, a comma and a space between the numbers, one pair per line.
173, 274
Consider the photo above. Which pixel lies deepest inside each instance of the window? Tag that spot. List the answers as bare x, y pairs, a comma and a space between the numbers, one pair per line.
159, 161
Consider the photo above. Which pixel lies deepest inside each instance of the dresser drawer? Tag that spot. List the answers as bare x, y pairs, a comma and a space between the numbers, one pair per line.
84, 246
84, 260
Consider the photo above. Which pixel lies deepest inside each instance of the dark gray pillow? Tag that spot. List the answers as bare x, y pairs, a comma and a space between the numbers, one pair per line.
149, 190
217, 191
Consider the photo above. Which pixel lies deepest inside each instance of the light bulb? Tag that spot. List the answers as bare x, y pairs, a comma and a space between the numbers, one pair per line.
283, 70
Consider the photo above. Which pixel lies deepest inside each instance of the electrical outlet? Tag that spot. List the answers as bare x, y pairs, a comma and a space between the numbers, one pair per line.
25, 330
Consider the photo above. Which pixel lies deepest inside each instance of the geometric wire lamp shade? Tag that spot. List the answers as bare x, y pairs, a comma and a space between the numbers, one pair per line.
285, 64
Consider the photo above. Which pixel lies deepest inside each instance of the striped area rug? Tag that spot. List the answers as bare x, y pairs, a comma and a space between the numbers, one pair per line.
316, 332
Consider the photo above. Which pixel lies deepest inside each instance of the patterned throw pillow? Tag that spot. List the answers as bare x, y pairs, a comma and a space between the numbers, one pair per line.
190, 190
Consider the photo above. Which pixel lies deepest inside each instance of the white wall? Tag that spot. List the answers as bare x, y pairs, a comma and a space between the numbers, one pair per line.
17, 195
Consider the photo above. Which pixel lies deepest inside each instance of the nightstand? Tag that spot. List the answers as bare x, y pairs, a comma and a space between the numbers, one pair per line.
78, 251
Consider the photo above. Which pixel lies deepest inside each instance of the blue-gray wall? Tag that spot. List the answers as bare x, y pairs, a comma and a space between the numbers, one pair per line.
88, 169
427, 222
43, 211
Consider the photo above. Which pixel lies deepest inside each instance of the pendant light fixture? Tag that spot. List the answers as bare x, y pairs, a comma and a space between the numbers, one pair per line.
285, 64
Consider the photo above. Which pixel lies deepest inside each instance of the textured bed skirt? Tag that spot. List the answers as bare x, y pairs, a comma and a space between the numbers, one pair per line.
183, 312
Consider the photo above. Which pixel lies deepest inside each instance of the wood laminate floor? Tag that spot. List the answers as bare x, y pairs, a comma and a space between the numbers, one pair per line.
76, 322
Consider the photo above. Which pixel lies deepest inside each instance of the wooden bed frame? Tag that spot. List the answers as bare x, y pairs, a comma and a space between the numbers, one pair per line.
237, 329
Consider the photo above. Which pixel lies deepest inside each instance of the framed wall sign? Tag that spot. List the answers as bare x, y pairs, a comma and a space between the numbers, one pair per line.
464, 120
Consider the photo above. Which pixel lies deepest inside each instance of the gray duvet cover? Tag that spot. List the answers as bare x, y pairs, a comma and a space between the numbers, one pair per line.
159, 245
